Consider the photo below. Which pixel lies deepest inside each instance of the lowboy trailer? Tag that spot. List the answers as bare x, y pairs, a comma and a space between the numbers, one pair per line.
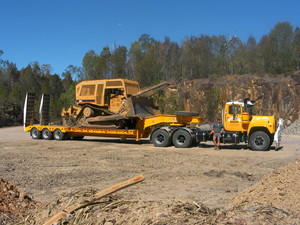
259, 132
163, 129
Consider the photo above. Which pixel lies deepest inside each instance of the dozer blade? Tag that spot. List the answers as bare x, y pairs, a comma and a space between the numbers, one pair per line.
141, 106
150, 91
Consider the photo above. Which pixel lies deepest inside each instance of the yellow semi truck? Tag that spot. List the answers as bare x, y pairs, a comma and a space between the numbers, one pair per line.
118, 108
241, 125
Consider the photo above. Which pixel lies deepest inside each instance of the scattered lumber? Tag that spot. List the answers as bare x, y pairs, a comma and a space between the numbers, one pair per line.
98, 196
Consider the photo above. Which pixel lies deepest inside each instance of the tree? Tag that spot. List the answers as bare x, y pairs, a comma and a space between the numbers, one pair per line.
277, 50
67, 81
253, 62
76, 72
144, 64
296, 48
103, 65
118, 61
89, 63
170, 56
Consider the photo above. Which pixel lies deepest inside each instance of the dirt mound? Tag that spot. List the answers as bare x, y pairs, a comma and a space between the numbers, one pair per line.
14, 205
279, 190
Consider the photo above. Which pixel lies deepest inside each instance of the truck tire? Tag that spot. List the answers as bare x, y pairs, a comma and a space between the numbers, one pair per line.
35, 133
182, 139
59, 135
186, 114
160, 138
47, 134
259, 141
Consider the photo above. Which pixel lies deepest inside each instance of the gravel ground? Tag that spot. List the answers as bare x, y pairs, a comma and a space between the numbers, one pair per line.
48, 170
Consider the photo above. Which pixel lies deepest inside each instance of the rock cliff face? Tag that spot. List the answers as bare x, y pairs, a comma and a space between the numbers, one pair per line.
274, 95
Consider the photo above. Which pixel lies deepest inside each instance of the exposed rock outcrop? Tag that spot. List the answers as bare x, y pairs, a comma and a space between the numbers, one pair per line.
274, 94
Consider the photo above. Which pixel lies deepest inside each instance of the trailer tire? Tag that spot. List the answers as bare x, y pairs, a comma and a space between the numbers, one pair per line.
160, 138
47, 134
59, 135
186, 114
35, 133
259, 141
182, 139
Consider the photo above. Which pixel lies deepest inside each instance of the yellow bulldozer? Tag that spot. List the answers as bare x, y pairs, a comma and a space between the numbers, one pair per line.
112, 102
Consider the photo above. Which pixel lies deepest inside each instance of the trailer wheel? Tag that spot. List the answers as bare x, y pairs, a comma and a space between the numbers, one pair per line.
182, 139
259, 141
160, 138
35, 133
59, 135
47, 134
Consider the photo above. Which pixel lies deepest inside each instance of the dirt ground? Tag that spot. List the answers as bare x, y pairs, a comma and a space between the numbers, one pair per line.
48, 169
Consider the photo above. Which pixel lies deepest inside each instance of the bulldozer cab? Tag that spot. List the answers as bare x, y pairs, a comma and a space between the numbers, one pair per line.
107, 93
237, 115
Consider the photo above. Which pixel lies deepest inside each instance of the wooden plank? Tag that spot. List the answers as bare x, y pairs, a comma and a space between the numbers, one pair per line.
98, 196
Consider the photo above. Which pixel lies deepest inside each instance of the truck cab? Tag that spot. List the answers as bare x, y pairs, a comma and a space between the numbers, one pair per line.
238, 119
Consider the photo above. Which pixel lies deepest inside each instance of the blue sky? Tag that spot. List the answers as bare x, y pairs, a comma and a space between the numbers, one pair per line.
60, 32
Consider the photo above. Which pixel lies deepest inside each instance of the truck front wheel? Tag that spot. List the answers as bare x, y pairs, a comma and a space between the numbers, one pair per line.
259, 141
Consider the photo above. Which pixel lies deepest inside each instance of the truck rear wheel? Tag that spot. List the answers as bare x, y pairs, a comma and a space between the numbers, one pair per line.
160, 138
47, 134
35, 133
259, 141
182, 139
59, 135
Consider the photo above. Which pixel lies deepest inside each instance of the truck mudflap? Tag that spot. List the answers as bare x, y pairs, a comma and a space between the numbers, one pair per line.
277, 135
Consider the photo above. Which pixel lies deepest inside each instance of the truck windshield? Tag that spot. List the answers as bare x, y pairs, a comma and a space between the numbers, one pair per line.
234, 109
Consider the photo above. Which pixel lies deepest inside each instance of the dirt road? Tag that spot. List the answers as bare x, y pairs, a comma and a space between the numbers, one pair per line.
47, 169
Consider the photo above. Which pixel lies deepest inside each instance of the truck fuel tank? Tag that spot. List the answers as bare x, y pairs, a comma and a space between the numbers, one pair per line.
226, 137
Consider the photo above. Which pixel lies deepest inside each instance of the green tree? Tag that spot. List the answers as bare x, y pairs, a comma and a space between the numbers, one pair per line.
89, 63
252, 62
277, 49
104, 64
67, 80
170, 57
144, 64
76, 72
296, 48
119, 62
